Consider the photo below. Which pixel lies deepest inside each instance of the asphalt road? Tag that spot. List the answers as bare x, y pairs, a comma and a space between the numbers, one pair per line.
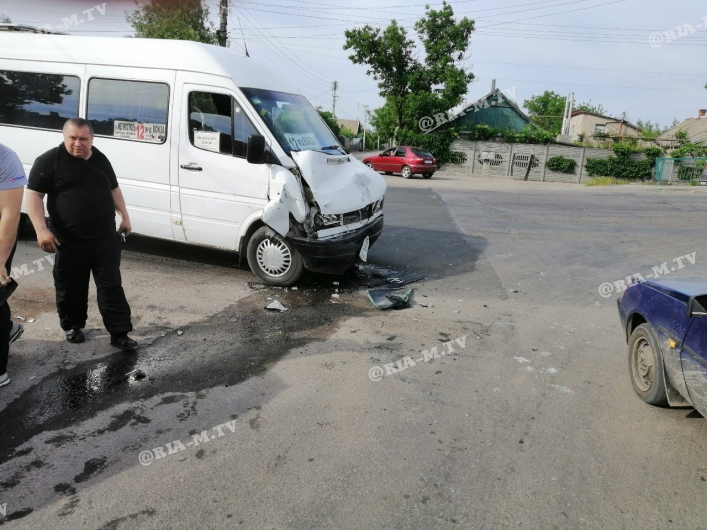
527, 421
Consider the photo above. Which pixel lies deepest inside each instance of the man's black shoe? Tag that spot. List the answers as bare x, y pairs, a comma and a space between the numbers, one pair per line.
76, 336
122, 341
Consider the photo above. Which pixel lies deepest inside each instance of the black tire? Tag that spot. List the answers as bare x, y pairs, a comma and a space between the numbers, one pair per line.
645, 366
406, 172
427, 175
274, 259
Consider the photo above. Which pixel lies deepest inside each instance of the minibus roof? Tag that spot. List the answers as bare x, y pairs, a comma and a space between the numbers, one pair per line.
143, 53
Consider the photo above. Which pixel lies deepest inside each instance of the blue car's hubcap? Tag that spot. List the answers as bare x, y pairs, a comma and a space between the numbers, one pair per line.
643, 367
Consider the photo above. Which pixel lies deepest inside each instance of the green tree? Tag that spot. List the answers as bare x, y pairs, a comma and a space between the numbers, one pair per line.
650, 130
588, 106
546, 111
328, 117
173, 19
4, 19
385, 121
412, 88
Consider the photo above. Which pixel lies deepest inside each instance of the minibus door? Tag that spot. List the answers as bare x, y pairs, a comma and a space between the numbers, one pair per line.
218, 188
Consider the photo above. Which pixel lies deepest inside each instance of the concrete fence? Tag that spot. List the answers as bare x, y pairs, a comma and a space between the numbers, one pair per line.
504, 160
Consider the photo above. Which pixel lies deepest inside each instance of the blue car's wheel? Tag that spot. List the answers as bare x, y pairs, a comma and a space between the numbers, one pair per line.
645, 364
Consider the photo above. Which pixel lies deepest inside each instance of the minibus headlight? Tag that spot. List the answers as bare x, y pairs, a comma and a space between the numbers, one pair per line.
377, 206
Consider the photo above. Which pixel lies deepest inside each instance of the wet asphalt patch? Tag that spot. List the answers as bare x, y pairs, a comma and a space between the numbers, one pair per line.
249, 340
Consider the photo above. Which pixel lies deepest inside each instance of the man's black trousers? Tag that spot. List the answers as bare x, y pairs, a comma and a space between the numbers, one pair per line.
76, 260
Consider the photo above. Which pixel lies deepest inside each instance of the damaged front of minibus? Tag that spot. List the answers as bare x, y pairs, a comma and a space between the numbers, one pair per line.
325, 206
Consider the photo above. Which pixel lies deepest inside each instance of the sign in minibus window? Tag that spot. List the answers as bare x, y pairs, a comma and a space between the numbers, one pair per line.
132, 110
217, 123
32, 99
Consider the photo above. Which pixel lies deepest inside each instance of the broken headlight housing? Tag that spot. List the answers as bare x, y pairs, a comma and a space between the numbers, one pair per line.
328, 219
357, 216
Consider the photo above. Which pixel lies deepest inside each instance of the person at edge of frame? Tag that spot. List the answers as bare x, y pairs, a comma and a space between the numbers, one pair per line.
82, 198
12, 184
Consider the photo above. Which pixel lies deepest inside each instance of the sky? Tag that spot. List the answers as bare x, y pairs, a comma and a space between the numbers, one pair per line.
617, 53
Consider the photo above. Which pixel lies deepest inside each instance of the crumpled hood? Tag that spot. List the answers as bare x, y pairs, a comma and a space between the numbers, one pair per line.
340, 183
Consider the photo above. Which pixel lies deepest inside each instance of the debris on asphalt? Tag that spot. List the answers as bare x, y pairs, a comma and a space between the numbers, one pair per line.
293, 288
19, 317
140, 374
180, 332
335, 295
390, 298
425, 305
375, 276
276, 306
30, 320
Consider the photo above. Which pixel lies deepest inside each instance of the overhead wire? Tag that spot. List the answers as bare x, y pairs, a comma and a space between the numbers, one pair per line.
305, 65
278, 58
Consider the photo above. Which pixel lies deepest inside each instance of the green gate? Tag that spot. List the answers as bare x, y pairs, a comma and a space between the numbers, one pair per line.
679, 170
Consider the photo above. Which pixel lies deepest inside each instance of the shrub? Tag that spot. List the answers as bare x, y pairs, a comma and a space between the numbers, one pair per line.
562, 164
621, 165
618, 167
652, 153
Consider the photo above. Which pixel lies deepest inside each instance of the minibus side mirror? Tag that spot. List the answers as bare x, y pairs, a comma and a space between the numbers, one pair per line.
256, 149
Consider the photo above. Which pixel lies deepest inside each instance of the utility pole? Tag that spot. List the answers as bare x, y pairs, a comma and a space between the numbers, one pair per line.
365, 110
334, 87
222, 32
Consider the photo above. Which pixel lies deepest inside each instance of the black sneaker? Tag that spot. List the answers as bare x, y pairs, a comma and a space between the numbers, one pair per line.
122, 341
76, 336
16, 332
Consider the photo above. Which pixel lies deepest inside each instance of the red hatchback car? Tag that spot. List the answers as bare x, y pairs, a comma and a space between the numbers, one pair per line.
407, 161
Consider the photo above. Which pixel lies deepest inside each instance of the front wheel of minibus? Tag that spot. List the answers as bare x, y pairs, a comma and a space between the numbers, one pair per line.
273, 259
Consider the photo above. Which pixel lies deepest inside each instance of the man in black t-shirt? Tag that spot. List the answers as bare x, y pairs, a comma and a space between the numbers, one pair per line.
82, 198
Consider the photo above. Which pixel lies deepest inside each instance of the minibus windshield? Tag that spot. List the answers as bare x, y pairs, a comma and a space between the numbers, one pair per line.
293, 121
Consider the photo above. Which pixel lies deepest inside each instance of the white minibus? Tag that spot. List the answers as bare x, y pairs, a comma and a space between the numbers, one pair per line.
210, 147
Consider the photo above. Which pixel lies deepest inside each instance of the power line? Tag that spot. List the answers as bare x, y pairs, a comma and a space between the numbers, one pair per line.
281, 58
595, 86
304, 65
278, 57
587, 68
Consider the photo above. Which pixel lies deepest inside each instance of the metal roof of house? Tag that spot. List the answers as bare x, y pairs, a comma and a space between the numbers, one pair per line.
696, 129
481, 103
351, 125
27, 29
608, 118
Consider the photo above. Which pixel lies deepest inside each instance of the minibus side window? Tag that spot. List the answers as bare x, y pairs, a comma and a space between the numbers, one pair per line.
131, 110
217, 123
242, 129
32, 99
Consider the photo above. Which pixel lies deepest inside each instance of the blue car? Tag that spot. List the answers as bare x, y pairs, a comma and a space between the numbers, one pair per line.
665, 321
